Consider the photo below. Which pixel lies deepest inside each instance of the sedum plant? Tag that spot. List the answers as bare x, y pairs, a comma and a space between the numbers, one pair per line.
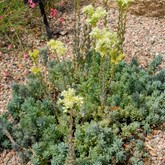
123, 6
106, 43
54, 125
71, 127
94, 15
98, 113
70, 102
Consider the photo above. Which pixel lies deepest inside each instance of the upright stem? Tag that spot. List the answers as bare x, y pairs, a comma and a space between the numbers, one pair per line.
71, 154
106, 8
121, 27
61, 69
103, 92
75, 36
93, 3
78, 31
112, 74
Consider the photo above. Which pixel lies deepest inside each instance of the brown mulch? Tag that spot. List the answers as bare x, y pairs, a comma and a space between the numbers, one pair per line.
144, 39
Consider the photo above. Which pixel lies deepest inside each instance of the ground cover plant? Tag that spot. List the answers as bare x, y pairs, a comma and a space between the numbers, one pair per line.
92, 109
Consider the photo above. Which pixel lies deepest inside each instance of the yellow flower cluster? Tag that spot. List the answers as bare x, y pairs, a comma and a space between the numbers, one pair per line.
57, 46
105, 40
94, 15
34, 55
35, 70
124, 3
89, 10
70, 99
115, 58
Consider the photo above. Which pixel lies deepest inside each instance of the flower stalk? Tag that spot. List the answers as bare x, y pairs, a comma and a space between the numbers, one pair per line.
71, 160
70, 102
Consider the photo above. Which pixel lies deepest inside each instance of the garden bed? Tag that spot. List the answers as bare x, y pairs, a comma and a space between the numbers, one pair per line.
145, 38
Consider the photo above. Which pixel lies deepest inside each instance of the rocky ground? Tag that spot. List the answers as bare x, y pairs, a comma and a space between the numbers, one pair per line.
149, 8
144, 39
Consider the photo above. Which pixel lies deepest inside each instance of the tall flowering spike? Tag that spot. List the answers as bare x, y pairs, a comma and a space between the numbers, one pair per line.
105, 40
70, 99
95, 33
99, 13
34, 55
124, 3
35, 70
115, 58
57, 46
89, 10
94, 15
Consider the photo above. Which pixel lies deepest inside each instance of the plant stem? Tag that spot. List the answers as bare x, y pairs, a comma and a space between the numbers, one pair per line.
112, 74
102, 71
106, 8
61, 69
71, 155
121, 27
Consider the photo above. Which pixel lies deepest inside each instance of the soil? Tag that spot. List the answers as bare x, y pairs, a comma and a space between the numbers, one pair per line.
151, 8
148, 8
144, 39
